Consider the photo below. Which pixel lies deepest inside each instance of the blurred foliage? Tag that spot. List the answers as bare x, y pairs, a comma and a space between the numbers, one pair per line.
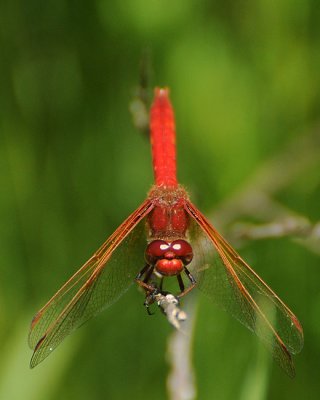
244, 78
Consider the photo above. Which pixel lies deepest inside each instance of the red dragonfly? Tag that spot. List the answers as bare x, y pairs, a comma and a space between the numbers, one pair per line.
167, 236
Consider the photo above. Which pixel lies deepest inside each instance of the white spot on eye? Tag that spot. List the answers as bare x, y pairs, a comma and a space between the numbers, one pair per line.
164, 246
50, 348
176, 246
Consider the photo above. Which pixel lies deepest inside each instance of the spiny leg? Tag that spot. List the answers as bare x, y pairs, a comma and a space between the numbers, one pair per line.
181, 283
148, 274
144, 269
191, 279
148, 270
190, 276
150, 299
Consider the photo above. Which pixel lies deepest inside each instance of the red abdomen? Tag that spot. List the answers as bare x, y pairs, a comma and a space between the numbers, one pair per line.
163, 139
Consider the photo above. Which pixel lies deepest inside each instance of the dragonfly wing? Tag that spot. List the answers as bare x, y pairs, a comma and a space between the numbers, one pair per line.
225, 278
98, 283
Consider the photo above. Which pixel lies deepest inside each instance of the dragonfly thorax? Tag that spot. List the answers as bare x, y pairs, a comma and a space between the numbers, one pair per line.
169, 258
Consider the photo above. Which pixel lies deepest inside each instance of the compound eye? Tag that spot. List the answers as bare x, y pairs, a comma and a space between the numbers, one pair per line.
183, 250
155, 250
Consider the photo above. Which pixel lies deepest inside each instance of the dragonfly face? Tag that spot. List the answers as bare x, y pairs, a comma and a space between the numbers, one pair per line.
169, 258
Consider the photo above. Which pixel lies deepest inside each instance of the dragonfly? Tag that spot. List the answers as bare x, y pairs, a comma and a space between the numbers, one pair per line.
167, 238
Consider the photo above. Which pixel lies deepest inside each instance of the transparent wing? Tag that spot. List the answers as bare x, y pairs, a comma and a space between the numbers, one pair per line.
226, 279
98, 283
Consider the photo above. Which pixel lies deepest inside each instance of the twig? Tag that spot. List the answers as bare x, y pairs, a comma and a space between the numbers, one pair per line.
181, 379
169, 305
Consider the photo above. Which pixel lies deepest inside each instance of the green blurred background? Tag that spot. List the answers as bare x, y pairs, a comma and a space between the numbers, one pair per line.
244, 79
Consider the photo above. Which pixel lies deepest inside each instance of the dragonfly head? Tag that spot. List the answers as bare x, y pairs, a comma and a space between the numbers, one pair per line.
169, 258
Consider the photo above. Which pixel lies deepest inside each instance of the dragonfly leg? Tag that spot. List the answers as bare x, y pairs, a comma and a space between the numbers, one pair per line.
149, 300
191, 279
147, 270
181, 283
141, 273
161, 284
